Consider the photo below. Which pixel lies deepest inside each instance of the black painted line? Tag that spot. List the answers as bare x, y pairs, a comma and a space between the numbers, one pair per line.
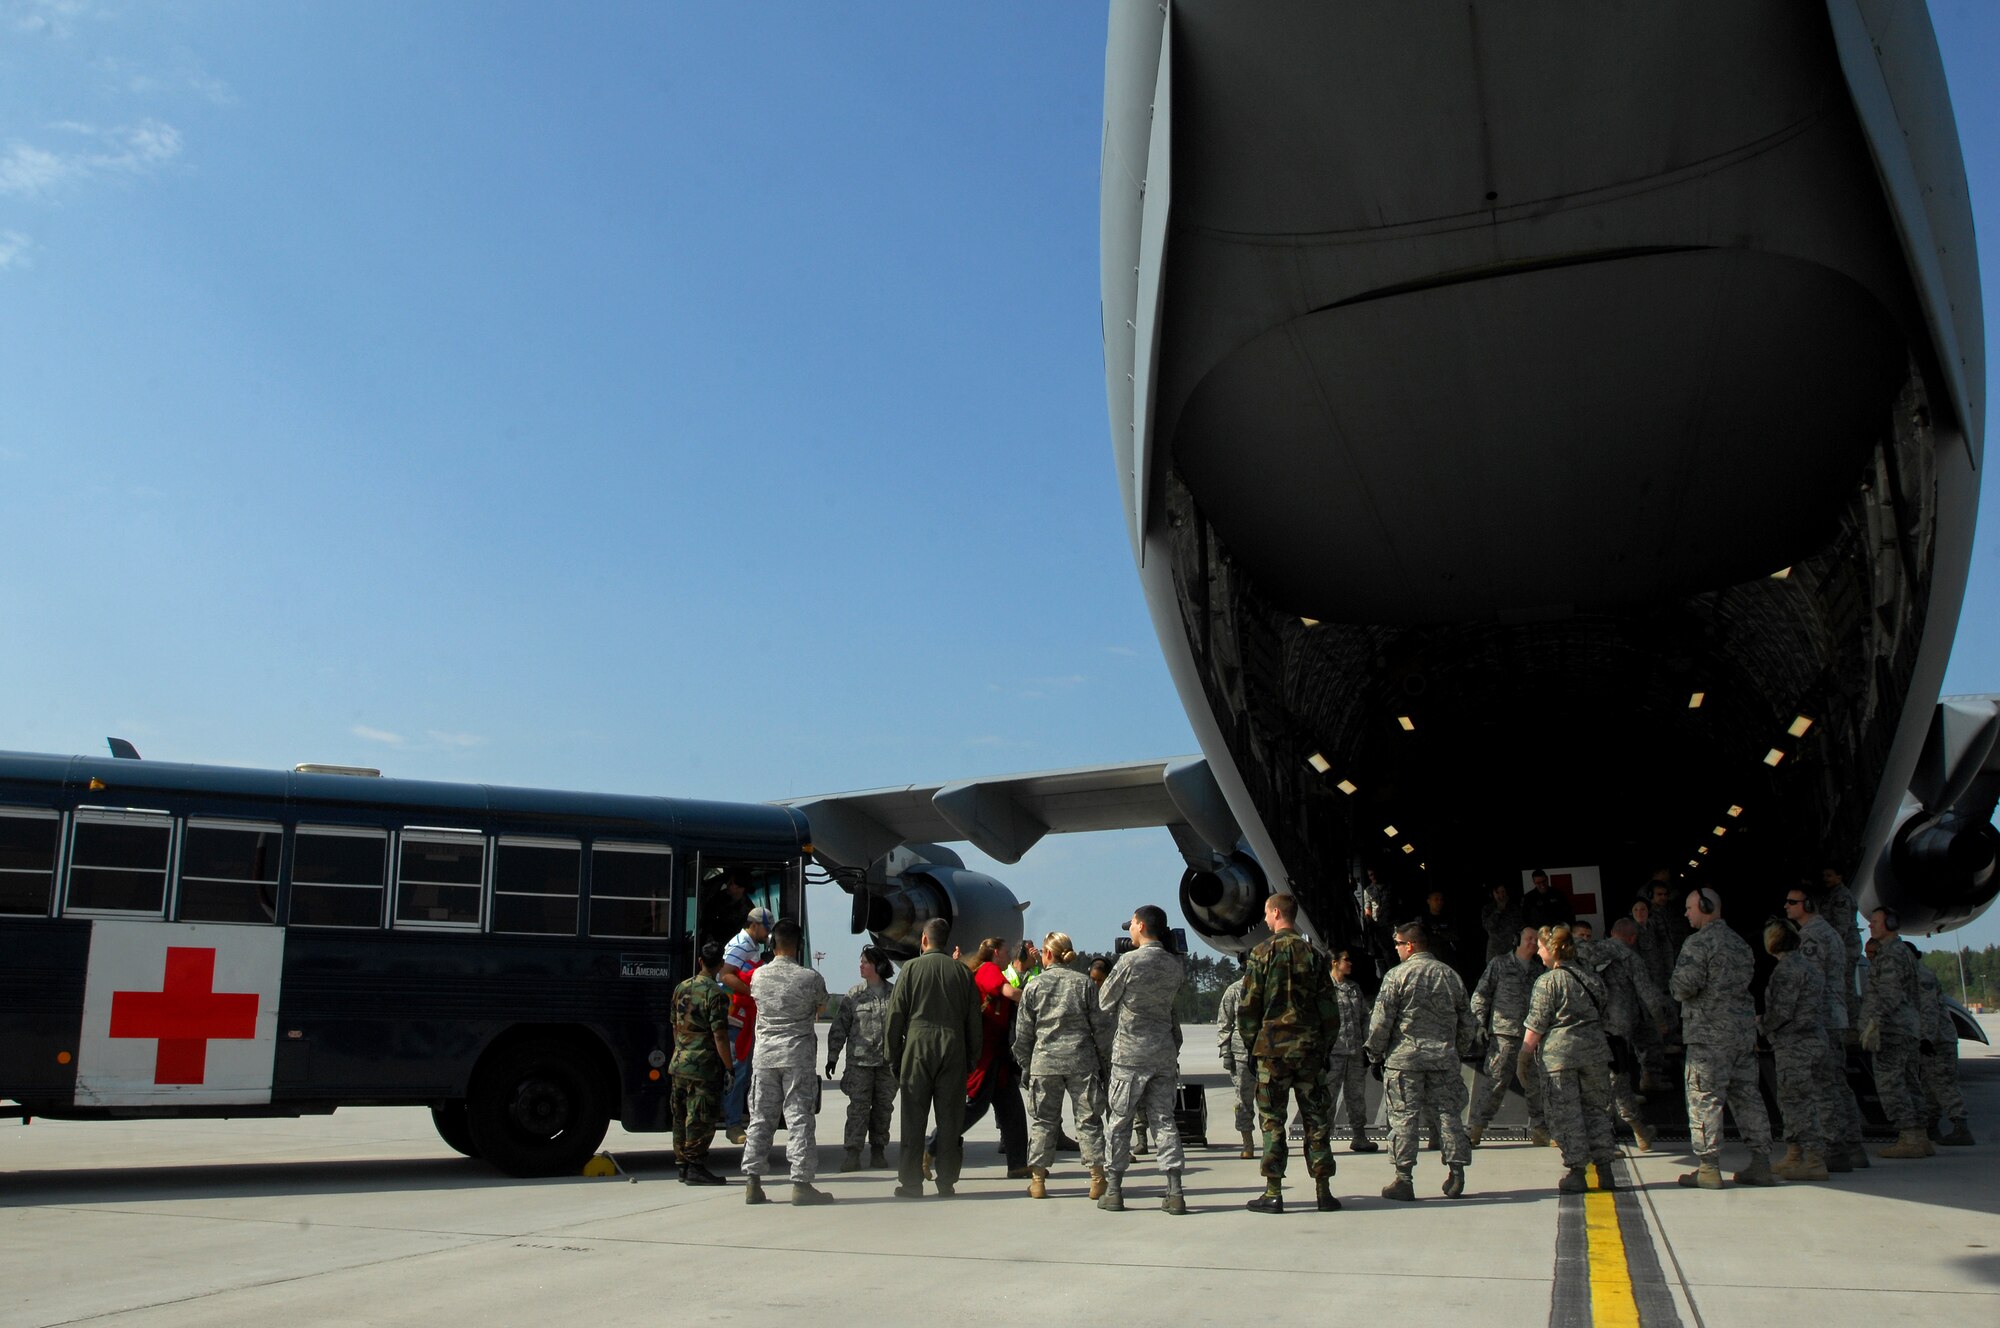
1569, 1297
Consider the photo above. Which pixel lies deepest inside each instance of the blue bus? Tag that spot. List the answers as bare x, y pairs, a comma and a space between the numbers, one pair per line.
186, 940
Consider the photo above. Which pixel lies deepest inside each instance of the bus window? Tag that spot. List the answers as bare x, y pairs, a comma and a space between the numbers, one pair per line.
118, 862
631, 890
337, 876
229, 872
441, 879
535, 886
28, 860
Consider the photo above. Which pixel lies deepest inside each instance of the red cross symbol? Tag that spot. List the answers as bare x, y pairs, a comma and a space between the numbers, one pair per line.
184, 1014
1584, 902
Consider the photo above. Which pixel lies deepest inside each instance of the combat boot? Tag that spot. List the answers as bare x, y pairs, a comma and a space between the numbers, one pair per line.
1400, 1189
1475, 1134
1910, 1143
1705, 1176
753, 1191
1811, 1167
1930, 1146
1323, 1195
1097, 1181
1362, 1143
1957, 1136
1038, 1183
682, 1169
1539, 1136
1794, 1155
1643, 1136
699, 1174
1454, 1182
1836, 1159
1175, 1202
1272, 1200
1758, 1172
851, 1160
805, 1196
1605, 1180
878, 1158
1857, 1157
1248, 1151
1113, 1200
1572, 1181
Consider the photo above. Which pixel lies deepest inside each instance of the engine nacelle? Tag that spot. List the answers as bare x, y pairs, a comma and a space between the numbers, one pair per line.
1223, 901
918, 882
1938, 871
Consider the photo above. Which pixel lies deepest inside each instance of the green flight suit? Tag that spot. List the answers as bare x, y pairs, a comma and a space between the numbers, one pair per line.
933, 1038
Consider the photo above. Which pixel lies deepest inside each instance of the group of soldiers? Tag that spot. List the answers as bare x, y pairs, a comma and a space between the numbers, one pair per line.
1568, 1017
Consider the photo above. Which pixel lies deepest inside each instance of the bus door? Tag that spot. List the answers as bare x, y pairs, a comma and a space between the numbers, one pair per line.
776, 884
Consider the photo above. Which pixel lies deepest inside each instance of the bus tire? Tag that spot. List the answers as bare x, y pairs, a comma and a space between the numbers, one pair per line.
454, 1128
537, 1109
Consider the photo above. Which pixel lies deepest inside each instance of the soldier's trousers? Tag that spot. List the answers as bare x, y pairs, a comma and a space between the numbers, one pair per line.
784, 1091
1501, 1066
1895, 1066
1278, 1081
1347, 1085
932, 1082
1410, 1093
1942, 1097
1150, 1095
697, 1108
1618, 1081
1718, 1074
1799, 1063
1579, 1107
1839, 1113
871, 1097
1243, 1080
1045, 1104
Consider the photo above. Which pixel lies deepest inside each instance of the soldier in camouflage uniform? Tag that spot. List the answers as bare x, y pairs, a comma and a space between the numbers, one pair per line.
1565, 1030
1891, 1029
1138, 998
1793, 1023
1656, 953
1938, 1062
1836, 905
1236, 1063
1063, 1045
862, 1027
1289, 1018
1711, 980
785, 1080
1420, 1026
700, 1066
1499, 1004
1346, 1067
1500, 920
1628, 987
1839, 1113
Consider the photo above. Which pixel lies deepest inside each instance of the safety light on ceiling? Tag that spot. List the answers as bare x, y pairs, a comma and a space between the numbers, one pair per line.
1734, 810
1409, 848
1703, 850
1781, 574
1720, 831
1693, 863
1694, 701
1309, 622
1390, 831
1348, 786
1409, 725
1773, 756
1319, 763
1799, 726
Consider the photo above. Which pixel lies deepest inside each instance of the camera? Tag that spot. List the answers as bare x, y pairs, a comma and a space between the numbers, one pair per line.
1175, 940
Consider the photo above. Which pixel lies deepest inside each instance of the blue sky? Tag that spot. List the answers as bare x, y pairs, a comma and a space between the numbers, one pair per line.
670, 397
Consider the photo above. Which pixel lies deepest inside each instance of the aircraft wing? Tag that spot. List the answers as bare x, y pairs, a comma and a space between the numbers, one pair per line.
1003, 816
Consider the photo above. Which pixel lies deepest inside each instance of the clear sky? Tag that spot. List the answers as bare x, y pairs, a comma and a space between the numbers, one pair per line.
668, 397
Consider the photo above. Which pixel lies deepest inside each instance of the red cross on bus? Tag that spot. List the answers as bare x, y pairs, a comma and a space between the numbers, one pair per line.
184, 1015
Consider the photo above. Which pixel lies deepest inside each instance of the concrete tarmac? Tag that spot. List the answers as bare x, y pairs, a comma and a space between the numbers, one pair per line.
365, 1218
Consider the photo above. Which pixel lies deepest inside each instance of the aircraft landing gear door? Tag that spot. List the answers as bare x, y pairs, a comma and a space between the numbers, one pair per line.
727, 888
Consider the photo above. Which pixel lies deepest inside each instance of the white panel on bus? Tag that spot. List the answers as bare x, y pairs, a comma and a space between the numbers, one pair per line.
177, 1012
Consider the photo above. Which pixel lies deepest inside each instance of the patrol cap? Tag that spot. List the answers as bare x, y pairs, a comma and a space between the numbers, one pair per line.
762, 917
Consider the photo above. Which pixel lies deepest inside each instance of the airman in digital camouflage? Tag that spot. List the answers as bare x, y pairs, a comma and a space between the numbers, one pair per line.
1236, 1063
1346, 1067
1711, 980
1794, 1023
1938, 1059
1138, 997
1499, 1004
784, 1083
1839, 1112
699, 1067
1289, 1018
1565, 1029
1891, 1029
862, 1027
1420, 1026
1633, 1001
1062, 1043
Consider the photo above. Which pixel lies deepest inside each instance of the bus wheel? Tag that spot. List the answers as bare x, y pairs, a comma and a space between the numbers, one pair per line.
537, 1110
454, 1128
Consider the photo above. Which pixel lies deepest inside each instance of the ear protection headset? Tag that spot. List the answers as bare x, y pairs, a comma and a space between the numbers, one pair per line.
1707, 901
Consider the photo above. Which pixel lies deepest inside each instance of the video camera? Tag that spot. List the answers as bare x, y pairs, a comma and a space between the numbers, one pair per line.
1175, 941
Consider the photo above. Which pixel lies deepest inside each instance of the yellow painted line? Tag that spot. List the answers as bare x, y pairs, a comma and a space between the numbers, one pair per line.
1611, 1301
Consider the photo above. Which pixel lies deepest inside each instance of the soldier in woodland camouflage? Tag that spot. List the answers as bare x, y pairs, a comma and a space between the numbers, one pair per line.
1420, 1026
1063, 1045
1891, 1029
1236, 1063
1711, 980
1499, 1004
1839, 1112
862, 1027
699, 1067
1138, 998
1565, 1029
1289, 1018
1793, 1023
1346, 1066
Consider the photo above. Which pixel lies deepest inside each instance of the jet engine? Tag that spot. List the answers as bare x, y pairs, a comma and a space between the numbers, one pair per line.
1222, 899
914, 883
1941, 867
